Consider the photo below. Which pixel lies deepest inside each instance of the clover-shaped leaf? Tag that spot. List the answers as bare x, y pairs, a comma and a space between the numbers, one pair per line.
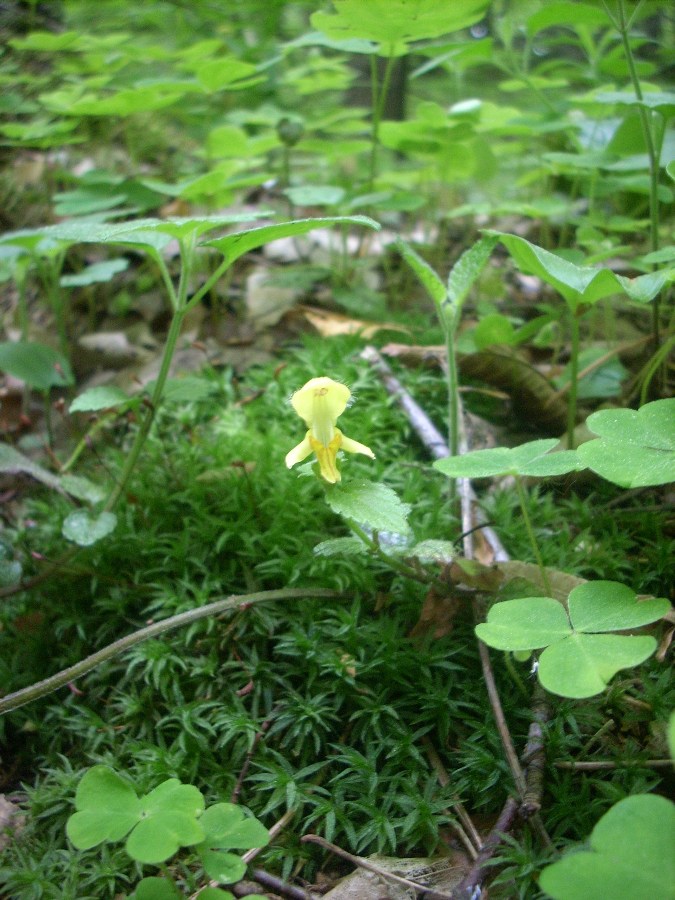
157, 824
107, 809
168, 821
227, 827
631, 856
634, 448
532, 459
84, 529
579, 658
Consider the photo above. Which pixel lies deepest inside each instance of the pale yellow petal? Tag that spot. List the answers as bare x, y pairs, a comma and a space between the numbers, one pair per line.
319, 403
297, 454
355, 447
327, 456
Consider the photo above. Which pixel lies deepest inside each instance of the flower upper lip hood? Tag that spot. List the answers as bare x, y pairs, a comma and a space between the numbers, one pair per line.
319, 403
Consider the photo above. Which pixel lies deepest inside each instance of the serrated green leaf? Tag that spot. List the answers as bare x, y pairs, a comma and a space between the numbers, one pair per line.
583, 664
342, 546
525, 624
39, 366
631, 856
84, 529
465, 272
635, 448
369, 503
107, 808
232, 246
429, 279
609, 606
532, 460
104, 397
433, 551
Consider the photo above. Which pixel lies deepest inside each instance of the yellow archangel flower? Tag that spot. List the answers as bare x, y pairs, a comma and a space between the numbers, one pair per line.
320, 402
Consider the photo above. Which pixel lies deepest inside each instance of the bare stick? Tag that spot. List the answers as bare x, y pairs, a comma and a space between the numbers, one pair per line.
426, 892
60, 679
534, 755
610, 764
467, 886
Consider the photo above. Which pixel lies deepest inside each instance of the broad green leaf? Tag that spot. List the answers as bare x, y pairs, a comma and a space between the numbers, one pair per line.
610, 606
85, 529
532, 459
169, 821
430, 280
39, 366
369, 503
155, 889
635, 448
557, 12
393, 24
525, 624
631, 856
342, 546
225, 72
107, 809
232, 246
580, 284
121, 232
583, 664
126, 102
222, 866
104, 397
96, 273
226, 826
315, 195
662, 101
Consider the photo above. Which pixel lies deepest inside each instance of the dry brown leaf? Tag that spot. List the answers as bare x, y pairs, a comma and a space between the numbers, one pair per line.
331, 324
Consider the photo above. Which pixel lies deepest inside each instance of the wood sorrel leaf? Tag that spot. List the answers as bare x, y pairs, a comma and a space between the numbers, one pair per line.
168, 821
107, 809
227, 826
84, 529
631, 856
532, 459
525, 624
635, 448
609, 606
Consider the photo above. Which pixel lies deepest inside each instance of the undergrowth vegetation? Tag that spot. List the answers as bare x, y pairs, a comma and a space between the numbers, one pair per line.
323, 679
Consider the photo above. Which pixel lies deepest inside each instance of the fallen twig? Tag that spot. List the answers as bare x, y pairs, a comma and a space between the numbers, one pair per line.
474, 878
534, 756
426, 892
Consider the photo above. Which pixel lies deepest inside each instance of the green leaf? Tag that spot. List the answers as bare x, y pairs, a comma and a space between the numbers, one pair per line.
524, 624
670, 734
137, 229
610, 606
82, 488
342, 546
580, 284
168, 821
155, 889
235, 245
466, 270
429, 279
532, 459
369, 503
227, 826
583, 664
85, 530
13, 463
662, 101
631, 856
104, 397
39, 366
315, 195
634, 448
213, 893
97, 273
433, 551
393, 24
107, 809
603, 381
222, 866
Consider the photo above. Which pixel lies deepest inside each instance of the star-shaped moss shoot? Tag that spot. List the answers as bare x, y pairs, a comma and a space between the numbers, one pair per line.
320, 403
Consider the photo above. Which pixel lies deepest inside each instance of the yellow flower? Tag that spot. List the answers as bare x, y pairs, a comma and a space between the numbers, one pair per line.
320, 402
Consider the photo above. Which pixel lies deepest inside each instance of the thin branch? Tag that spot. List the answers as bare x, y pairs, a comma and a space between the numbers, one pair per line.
60, 679
534, 755
426, 892
471, 882
611, 764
